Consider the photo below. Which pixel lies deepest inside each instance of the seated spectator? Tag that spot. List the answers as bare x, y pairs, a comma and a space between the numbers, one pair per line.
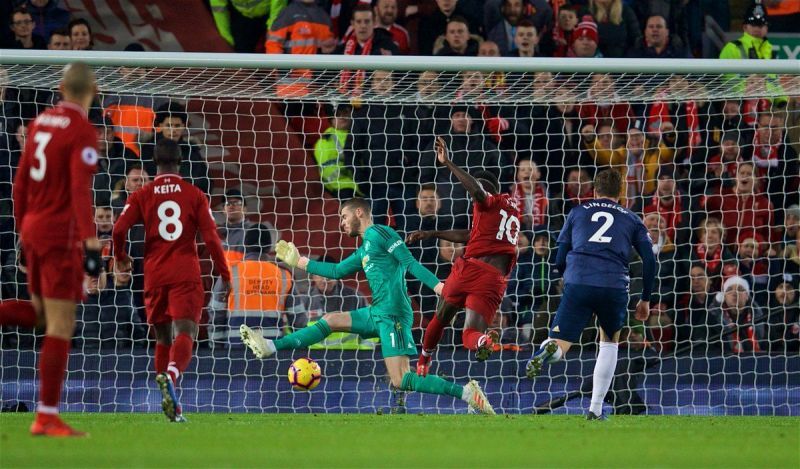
564, 28
363, 38
657, 42
602, 103
457, 40
577, 190
49, 16
742, 210
531, 194
776, 162
753, 267
539, 12
691, 318
489, 49
171, 124
669, 262
735, 320
243, 24
386, 15
22, 25
329, 155
709, 250
584, 39
727, 116
80, 34
784, 319
670, 203
617, 26
605, 152
135, 178
59, 40
645, 158
504, 32
433, 25
526, 40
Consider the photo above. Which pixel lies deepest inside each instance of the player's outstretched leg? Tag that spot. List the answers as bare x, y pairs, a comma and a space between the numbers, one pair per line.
433, 334
548, 352
263, 348
470, 393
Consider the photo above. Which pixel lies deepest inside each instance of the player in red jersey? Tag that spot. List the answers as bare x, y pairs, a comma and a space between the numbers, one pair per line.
53, 210
478, 279
173, 212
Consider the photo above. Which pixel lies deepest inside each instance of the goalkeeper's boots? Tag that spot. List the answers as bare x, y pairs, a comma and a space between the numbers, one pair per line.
486, 344
53, 426
592, 416
255, 341
539, 358
476, 399
169, 399
423, 364
398, 403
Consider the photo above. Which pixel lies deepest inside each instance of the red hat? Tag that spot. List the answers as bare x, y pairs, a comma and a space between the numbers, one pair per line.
587, 27
716, 159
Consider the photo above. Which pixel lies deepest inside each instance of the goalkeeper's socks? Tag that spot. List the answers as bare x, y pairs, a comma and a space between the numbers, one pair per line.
180, 354
52, 365
470, 338
603, 375
161, 358
17, 313
431, 385
304, 337
433, 334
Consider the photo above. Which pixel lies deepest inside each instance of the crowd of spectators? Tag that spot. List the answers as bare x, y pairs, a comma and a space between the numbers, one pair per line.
716, 183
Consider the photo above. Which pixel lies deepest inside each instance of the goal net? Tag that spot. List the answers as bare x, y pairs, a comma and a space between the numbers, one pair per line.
708, 151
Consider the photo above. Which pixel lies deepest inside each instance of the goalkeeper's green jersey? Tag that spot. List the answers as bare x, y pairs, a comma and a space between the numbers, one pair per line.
384, 258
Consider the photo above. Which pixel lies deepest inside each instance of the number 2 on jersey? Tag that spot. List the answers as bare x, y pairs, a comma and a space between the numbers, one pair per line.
169, 220
41, 139
508, 225
598, 237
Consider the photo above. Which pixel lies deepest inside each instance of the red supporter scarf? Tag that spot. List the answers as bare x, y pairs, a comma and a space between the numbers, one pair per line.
350, 46
672, 216
749, 333
713, 264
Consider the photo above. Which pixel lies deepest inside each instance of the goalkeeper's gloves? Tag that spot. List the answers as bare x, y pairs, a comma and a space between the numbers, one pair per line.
288, 253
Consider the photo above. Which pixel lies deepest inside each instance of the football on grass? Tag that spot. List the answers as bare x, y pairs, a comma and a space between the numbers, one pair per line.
305, 374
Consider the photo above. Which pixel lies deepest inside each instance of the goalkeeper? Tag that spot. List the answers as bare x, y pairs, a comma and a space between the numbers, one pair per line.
384, 258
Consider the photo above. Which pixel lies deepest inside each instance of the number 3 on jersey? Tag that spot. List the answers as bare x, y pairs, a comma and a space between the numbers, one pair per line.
598, 237
169, 220
508, 226
41, 139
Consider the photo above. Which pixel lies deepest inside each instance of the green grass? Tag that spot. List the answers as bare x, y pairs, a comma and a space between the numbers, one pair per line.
242, 440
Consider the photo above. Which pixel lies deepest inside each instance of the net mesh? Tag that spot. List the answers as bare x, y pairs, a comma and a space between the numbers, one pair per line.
678, 139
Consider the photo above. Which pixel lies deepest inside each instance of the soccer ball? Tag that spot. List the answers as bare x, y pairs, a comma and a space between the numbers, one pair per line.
305, 374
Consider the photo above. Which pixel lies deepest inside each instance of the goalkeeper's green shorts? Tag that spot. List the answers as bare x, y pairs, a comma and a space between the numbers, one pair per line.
395, 333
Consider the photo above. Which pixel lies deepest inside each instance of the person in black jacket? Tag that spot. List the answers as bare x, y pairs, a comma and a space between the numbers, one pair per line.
457, 41
658, 43
364, 38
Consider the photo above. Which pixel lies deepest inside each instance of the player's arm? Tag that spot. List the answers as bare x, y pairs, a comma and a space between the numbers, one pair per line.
21, 184
470, 183
455, 236
208, 230
83, 165
131, 215
394, 245
644, 247
288, 253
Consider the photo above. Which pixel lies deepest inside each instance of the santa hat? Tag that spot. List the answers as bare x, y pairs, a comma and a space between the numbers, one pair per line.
586, 28
733, 282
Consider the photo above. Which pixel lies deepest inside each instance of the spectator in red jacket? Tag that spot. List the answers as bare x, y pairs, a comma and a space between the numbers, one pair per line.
672, 205
531, 194
386, 15
602, 103
741, 209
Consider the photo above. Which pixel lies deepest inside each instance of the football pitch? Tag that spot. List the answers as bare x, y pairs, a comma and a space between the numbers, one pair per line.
335, 440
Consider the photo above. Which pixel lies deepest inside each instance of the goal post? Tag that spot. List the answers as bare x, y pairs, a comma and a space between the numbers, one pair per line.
708, 150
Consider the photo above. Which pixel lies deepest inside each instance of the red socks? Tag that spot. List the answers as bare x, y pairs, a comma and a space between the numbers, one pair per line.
470, 338
52, 365
162, 358
433, 334
17, 313
179, 356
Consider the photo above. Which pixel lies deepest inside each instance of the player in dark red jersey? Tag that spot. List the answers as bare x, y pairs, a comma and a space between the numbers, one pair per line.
173, 212
53, 210
478, 279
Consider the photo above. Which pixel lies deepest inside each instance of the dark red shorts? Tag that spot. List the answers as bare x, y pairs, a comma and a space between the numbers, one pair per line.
475, 285
172, 302
55, 272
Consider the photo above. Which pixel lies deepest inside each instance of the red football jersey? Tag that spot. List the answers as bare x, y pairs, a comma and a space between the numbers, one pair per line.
495, 227
53, 185
173, 211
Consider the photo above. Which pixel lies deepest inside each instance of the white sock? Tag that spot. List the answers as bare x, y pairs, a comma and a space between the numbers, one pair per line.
271, 346
603, 375
554, 357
